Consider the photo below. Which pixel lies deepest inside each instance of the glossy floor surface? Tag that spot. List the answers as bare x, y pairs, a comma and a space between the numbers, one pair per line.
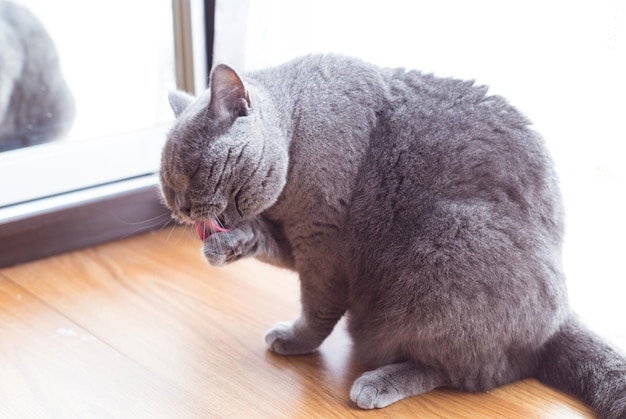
143, 327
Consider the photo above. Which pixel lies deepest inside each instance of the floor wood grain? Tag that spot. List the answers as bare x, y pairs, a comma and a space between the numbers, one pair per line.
143, 327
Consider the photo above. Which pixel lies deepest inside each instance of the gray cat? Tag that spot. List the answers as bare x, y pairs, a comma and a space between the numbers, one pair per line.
36, 105
421, 207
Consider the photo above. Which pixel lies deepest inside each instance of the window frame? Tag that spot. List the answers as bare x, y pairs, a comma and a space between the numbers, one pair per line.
93, 209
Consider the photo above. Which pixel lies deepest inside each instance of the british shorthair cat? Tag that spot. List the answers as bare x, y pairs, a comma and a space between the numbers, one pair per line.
422, 208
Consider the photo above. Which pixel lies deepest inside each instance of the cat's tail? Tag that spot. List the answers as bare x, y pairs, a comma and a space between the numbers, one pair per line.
576, 361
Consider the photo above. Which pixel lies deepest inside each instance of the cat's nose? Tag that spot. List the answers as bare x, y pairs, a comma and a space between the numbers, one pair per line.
183, 203
186, 210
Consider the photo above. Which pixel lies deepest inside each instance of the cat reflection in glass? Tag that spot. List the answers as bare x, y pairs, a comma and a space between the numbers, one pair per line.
36, 105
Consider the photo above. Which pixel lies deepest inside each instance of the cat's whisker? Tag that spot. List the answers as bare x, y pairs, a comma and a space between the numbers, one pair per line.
175, 228
169, 235
182, 232
143, 222
223, 224
167, 224
165, 216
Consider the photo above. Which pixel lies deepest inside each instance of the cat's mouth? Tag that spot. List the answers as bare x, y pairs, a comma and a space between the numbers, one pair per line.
205, 228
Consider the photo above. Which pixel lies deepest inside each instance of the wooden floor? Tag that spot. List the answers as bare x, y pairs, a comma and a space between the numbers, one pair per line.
144, 328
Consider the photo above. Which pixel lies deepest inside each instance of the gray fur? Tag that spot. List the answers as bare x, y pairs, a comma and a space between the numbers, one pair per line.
36, 105
421, 207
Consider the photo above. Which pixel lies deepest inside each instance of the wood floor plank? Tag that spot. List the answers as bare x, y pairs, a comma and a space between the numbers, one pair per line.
200, 329
53, 368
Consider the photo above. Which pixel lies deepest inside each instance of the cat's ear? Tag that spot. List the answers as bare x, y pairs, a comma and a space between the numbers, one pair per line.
179, 101
229, 98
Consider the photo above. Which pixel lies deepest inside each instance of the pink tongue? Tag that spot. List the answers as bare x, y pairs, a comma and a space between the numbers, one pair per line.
205, 228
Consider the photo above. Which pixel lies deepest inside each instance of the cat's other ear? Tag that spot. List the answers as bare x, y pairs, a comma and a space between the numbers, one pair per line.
179, 101
229, 98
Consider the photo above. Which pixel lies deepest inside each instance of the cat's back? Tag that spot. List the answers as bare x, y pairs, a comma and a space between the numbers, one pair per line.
456, 214
322, 87
444, 140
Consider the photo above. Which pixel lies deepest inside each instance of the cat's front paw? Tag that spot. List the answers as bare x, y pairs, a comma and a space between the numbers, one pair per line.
226, 247
285, 339
220, 254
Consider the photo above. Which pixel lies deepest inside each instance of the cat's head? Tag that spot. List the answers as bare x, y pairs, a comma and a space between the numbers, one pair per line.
224, 160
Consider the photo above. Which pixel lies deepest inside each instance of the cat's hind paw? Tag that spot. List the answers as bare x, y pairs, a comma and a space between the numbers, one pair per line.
390, 383
371, 391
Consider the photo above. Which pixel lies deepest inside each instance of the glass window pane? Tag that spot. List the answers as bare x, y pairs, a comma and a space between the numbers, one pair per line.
90, 73
115, 63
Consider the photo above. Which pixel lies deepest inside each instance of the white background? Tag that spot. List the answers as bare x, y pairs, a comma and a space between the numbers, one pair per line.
562, 63
118, 59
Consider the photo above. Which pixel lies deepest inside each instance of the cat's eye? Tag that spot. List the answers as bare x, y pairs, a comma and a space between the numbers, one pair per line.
168, 194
